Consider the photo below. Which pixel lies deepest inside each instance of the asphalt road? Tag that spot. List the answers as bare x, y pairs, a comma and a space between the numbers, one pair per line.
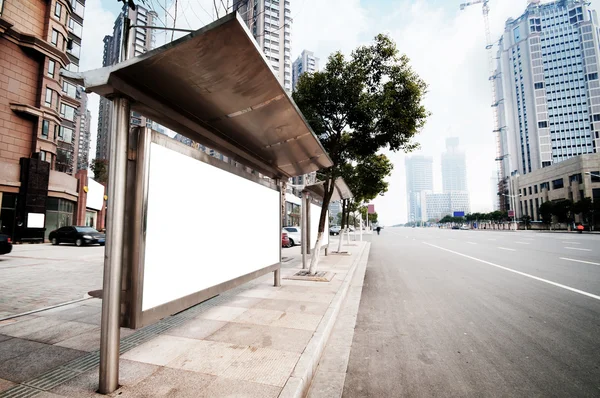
452, 313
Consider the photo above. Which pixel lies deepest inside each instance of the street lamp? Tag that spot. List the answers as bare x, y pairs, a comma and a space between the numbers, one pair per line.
513, 197
592, 174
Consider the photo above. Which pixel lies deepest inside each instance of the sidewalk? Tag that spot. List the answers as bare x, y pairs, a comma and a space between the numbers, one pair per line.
254, 341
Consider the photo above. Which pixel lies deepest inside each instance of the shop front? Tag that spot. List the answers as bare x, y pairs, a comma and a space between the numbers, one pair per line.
59, 213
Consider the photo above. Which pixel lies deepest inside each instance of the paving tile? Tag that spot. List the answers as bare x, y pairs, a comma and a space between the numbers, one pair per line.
168, 382
239, 333
196, 328
222, 313
327, 385
244, 302
263, 365
284, 339
15, 347
307, 307
160, 350
335, 359
69, 313
28, 326
259, 293
229, 388
272, 304
34, 363
86, 384
4, 337
209, 357
57, 333
5, 385
295, 320
259, 317
94, 319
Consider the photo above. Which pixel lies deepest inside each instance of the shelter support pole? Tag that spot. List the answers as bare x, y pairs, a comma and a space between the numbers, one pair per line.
304, 228
113, 260
277, 272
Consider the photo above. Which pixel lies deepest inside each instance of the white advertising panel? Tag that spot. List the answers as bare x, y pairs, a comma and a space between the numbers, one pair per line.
315, 215
205, 226
35, 220
95, 195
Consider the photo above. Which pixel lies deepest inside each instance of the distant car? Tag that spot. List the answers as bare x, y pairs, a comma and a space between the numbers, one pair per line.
285, 239
334, 230
5, 244
294, 234
455, 227
465, 227
78, 235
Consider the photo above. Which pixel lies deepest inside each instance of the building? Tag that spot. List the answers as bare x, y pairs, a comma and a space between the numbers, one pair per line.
270, 22
454, 167
419, 179
83, 134
548, 85
140, 40
494, 191
306, 62
572, 179
438, 205
39, 112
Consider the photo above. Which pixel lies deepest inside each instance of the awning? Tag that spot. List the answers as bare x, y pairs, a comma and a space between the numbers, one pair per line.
215, 87
340, 190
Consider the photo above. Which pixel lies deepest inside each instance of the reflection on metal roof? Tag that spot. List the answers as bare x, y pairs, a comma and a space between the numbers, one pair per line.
215, 87
340, 191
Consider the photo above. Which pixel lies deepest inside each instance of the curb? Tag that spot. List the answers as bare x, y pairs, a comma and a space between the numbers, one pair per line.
298, 383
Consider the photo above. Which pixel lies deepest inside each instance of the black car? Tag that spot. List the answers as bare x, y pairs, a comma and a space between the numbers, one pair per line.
5, 244
78, 235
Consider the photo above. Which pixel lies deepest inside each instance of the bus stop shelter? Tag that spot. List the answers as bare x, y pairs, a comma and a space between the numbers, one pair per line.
215, 87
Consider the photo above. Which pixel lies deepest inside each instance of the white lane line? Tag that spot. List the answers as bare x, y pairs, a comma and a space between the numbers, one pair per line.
519, 272
570, 243
523, 243
472, 243
493, 239
578, 261
451, 239
506, 248
578, 248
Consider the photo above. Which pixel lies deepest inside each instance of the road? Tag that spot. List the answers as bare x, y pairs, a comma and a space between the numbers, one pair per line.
478, 313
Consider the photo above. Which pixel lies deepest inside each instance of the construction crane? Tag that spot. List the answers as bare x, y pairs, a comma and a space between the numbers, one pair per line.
495, 102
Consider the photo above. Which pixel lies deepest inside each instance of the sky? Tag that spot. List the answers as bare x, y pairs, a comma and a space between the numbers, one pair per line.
446, 47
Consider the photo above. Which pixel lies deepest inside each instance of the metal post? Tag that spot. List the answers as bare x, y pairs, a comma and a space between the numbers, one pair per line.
113, 266
303, 226
277, 272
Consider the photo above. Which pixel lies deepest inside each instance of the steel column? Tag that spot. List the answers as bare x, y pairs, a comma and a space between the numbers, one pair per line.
113, 260
303, 227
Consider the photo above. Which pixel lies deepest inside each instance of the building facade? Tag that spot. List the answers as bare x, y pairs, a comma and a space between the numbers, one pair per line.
140, 40
40, 114
270, 22
306, 62
548, 85
572, 179
454, 167
83, 134
436, 206
419, 180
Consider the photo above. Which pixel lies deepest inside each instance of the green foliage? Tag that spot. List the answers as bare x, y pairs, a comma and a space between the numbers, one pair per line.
358, 106
100, 169
526, 220
546, 210
562, 210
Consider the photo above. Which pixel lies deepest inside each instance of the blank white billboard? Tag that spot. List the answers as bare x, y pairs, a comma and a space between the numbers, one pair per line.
95, 195
205, 226
315, 214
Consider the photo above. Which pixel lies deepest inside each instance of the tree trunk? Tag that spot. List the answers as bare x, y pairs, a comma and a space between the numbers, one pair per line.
314, 261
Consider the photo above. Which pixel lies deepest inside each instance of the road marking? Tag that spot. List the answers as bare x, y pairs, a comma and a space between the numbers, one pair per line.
451, 239
579, 261
578, 248
523, 243
506, 248
570, 243
472, 243
492, 239
519, 272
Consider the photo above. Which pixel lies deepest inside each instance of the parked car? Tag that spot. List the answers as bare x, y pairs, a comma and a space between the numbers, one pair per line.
294, 234
5, 244
334, 230
78, 235
455, 227
465, 227
285, 239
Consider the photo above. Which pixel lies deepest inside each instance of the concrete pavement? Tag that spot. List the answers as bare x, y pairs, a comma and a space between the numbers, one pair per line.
472, 313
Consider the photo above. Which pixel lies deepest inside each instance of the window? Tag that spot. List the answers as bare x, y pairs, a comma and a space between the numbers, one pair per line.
545, 185
558, 184
543, 124
596, 118
68, 112
535, 189
78, 8
575, 178
539, 86
45, 128
75, 27
54, 37
595, 176
48, 100
44, 156
51, 66
530, 190
65, 134
57, 9
591, 76
70, 89
75, 49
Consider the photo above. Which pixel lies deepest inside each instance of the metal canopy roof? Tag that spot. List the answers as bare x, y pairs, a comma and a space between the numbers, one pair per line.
340, 190
215, 87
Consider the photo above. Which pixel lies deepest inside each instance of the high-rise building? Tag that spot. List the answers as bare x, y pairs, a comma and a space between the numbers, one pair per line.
548, 85
140, 40
270, 22
306, 62
419, 180
454, 167
438, 205
83, 135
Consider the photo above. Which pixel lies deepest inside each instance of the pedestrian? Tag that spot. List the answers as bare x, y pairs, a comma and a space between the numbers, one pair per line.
378, 229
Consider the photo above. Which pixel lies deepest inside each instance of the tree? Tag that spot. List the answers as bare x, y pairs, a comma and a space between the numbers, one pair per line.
526, 220
562, 209
360, 105
584, 207
546, 210
100, 169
